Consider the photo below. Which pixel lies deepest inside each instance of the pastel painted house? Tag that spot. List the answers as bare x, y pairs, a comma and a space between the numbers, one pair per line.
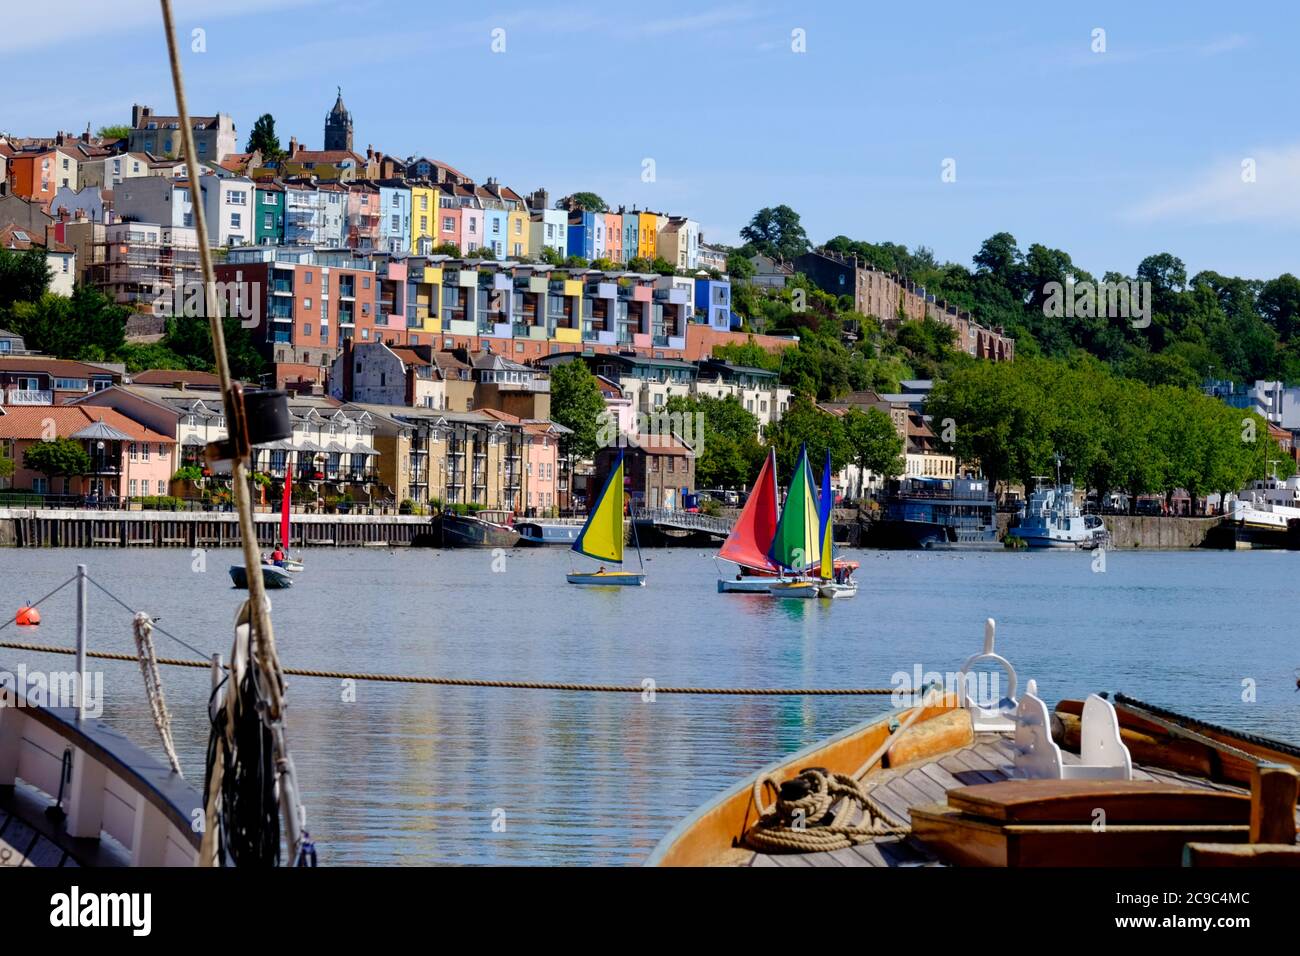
395, 217
126, 459
549, 228
268, 213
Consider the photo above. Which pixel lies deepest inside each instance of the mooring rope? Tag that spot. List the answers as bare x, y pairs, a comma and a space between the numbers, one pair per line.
148, 658
509, 684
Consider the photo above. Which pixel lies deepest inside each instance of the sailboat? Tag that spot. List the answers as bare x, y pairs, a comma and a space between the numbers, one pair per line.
289, 563
837, 576
602, 537
796, 546
750, 541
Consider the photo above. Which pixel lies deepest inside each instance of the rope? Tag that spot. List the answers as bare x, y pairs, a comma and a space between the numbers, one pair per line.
801, 818
148, 657
38, 603
508, 684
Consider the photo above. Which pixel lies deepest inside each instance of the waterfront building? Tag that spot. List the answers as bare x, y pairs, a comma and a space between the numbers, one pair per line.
110, 169
227, 205
758, 390
126, 459
379, 374
659, 470
510, 387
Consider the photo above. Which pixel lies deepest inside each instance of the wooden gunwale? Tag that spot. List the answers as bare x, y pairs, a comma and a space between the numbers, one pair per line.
705, 836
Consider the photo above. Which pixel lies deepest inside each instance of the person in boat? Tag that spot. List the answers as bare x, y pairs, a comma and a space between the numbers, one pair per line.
277, 557
602, 570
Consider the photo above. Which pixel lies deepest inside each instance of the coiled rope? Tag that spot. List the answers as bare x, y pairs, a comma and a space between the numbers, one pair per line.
801, 818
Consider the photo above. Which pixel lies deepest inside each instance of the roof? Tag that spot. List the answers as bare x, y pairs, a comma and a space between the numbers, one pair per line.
409, 357
664, 445
31, 421
163, 376
61, 368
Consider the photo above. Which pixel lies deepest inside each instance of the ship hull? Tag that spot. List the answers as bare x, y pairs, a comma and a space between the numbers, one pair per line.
465, 531
930, 536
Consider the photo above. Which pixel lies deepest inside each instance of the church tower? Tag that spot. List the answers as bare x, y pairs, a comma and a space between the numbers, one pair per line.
338, 126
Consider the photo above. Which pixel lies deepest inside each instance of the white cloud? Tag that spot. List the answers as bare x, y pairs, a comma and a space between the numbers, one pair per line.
1219, 194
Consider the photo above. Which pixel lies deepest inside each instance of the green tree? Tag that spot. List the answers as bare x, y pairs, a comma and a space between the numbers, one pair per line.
806, 424
874, 444
739, 267
191, 339
586, 201
86, 325
776, 231
6, 466
24, 277
446, 249
263, 138
59, 457
116, 131
728, 454
662, 266
577, 404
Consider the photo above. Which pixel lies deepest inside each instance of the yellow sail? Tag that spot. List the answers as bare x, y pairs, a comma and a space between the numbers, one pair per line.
602, 535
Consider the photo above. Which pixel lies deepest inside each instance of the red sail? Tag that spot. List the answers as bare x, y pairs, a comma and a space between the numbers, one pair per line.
284, 512
751, 539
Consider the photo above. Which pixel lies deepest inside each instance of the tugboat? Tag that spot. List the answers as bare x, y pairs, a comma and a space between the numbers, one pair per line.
1051, 519
939, 514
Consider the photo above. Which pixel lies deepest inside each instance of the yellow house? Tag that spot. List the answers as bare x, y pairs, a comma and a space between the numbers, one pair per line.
518, 226
428, 299
424, 218
571, 290
647, 234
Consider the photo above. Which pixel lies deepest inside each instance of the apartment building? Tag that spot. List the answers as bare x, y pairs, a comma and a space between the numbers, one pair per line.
214, 136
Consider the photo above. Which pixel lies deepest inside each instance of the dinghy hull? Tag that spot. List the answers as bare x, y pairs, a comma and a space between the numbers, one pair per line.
606, 579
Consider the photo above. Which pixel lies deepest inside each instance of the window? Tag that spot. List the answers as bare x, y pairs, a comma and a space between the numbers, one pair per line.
133, 487
70, 385
235, 198
306, 303
188, 220
307, 278
448, 224
268, 199
131, 451
473, 227
424, 223
268, 221
496, 226
306, 328
424, 202
519, 227
236, 220
397, 223
162, 487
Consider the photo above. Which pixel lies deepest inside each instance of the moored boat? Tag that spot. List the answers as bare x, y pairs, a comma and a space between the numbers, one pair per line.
797, 541
483, 529
543, 532
273, 577
1266, 514
952, 780
1050, 519
937, 514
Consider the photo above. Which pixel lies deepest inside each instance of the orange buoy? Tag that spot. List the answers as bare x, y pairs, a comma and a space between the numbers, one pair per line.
27, 616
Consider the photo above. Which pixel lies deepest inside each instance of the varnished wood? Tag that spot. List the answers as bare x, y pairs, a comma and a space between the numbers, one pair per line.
1078, 801
1273, 804
1241, 855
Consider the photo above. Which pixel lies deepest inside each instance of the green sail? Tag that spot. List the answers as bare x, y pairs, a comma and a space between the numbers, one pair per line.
797, 544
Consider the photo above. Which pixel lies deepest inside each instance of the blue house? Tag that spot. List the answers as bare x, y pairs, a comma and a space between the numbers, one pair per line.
713, 303
582, 234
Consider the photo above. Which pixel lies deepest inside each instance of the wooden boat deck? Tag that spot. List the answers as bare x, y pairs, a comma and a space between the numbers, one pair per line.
987, 760
29, 838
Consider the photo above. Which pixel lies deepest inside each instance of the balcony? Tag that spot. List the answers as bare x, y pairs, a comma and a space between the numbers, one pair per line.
26, 396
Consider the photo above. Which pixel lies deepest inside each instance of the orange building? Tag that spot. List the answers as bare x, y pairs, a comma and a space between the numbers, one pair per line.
37, 176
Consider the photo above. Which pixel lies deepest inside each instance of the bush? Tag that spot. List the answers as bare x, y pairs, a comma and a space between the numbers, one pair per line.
159, 502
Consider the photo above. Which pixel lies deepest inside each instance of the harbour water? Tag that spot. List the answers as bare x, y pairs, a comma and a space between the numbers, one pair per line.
428, 775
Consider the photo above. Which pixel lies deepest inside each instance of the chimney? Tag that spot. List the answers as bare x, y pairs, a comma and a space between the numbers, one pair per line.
370, 152
179, 385
293, 146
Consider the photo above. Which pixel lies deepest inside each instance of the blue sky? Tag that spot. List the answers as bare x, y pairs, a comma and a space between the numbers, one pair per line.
1109, 155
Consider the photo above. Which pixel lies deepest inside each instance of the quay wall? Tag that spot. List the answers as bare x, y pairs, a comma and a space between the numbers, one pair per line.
60, 528
1146, 531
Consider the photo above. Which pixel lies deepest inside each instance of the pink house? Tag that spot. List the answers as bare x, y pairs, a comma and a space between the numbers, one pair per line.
614, 237
542, 455
126, 459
